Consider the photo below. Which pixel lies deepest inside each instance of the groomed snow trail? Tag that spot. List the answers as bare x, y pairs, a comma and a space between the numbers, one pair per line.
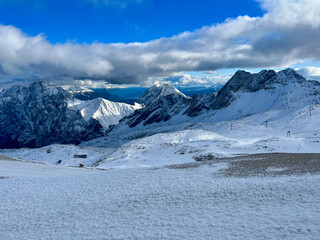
46, 202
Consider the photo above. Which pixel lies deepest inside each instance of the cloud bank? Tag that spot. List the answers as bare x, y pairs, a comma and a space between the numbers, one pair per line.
187, 80
287, 33
312, 73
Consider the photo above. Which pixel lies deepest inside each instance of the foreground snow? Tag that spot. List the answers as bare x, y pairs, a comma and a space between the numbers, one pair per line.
46, 202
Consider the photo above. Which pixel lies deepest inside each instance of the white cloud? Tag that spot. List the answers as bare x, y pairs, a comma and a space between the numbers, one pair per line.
92, 84
187, 80
289, 32
310, 72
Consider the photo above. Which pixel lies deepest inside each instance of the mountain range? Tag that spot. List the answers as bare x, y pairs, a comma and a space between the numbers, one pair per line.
43, 114
244, 94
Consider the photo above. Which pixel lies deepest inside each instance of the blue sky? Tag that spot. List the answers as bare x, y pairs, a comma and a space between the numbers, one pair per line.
107, 22
140, 42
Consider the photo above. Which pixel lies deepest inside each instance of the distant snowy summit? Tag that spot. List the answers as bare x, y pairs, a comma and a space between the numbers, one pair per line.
158, 92
161, 102
42, 114
105, 112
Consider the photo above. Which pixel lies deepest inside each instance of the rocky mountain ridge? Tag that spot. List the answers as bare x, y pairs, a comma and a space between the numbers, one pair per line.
42, 114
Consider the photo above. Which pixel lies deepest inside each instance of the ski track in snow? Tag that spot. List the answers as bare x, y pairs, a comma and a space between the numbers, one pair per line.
45, 202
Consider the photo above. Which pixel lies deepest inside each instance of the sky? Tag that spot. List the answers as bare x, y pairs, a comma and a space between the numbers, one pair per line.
140, 42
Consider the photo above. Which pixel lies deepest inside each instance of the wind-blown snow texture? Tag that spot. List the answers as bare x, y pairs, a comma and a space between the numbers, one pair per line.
47, 202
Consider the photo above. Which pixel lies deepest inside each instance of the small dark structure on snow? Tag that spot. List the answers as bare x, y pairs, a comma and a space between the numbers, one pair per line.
80, 156
288, 134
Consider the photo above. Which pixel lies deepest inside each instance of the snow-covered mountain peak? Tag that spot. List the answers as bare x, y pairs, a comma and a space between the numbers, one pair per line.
161, 103
288, 76
265, 79
42, 88
38, 93
248, 82
106, 112
156, 92
251, 93
167, 89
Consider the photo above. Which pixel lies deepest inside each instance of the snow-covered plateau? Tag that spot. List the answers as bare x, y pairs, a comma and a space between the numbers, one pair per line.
40, 201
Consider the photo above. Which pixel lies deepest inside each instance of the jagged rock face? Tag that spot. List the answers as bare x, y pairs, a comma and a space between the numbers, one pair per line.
277, 84
199, 103
161, 103
242, 81
38, 115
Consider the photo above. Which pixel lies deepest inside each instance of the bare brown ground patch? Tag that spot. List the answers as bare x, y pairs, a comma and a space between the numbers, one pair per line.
6, 158
274, 164
265, 164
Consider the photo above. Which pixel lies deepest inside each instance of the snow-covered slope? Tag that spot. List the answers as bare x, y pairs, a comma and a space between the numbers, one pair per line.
191, 141
59, 154
106, 112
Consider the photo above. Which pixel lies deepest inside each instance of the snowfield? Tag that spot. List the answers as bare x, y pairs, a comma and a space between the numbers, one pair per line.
47, 202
